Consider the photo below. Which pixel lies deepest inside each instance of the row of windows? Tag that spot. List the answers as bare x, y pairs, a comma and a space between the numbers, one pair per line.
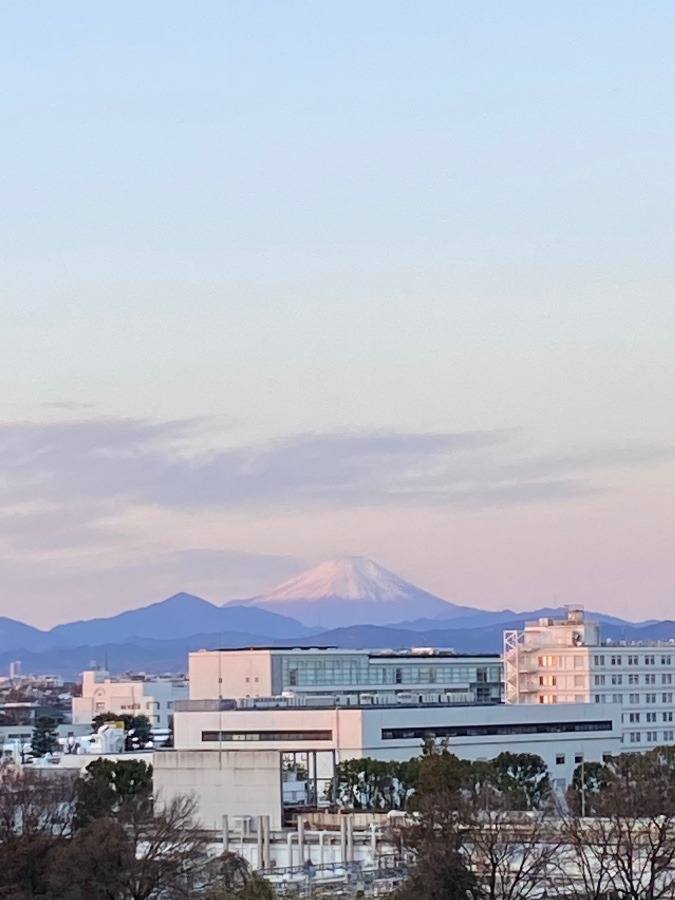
634, 718
337, 671
633, 659
441, 731
560, 759
635, 698
651, 737
217, 736
649, 679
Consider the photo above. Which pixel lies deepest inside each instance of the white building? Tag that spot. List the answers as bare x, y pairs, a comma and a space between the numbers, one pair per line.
562, 661
153, 697
272, 671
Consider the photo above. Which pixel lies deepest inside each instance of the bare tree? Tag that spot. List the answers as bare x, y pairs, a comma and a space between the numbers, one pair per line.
512, 854
35, 802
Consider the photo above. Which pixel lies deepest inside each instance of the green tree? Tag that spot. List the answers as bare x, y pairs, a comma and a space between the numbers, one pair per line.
45, 736
113, 789
523, 778
589, 783
440, 771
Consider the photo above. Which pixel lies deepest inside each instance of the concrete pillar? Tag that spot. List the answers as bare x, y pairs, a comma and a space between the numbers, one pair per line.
260, 863
373, 840
289, 845
343, 839
267, 854
226, 834
301, 840
350, 838
322, 835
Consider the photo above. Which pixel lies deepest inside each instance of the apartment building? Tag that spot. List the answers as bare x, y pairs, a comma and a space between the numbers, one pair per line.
554, 661
133, 695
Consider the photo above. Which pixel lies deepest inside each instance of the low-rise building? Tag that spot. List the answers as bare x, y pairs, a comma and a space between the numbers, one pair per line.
133, 695
271, 671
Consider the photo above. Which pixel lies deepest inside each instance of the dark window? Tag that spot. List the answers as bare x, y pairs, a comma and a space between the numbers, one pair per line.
440, 731
560, 760
217, 736
578, 759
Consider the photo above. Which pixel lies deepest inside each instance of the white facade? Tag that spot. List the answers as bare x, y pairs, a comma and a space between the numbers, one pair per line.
151, 697
268, 672
562, 661
562, 735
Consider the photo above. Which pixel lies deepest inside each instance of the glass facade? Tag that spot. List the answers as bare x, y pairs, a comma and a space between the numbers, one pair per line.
334, 671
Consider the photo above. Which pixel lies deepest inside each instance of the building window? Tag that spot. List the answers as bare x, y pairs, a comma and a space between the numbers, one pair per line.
216, 736
599, 679
635, 737
667, 735
616, 660
617, 698
293, 677
560, 759
667, 717
651, 717
651, 736
650, 698
632, 660
633, 698
579, 681
617, 679
598, 660
666, 678
650, 660
547, 681
578, 758
650, 678
633, 679
665, 660
441, 731
667, 698
578, 662
634, 718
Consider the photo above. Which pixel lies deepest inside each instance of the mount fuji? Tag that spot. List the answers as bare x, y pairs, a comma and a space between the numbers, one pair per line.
352, 591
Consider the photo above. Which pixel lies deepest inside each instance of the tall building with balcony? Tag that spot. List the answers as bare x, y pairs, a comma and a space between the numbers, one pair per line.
566, 661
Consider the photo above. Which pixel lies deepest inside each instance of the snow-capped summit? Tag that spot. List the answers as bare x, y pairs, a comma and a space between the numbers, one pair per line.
352, 590
350, 578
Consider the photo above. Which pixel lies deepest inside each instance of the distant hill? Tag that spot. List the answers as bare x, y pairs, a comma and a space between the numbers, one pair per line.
15, 634
174, 618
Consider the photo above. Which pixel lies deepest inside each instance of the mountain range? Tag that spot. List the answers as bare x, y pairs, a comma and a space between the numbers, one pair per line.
351, 602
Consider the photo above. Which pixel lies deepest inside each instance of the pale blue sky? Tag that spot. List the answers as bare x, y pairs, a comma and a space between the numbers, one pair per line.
363, 218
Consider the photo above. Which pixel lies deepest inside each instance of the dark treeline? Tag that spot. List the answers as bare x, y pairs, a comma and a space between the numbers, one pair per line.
495, 831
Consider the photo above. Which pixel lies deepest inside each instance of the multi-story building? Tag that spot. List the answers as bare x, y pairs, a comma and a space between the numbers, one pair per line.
272, 671
566, 661
134, 695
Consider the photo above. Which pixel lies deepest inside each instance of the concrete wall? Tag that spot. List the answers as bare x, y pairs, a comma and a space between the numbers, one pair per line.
233, 783
219, 673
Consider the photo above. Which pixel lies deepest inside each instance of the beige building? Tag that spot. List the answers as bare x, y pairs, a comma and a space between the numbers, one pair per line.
554, 661
131, 695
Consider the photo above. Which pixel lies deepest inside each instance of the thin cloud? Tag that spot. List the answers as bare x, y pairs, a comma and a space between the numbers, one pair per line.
66, 405
101, 466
